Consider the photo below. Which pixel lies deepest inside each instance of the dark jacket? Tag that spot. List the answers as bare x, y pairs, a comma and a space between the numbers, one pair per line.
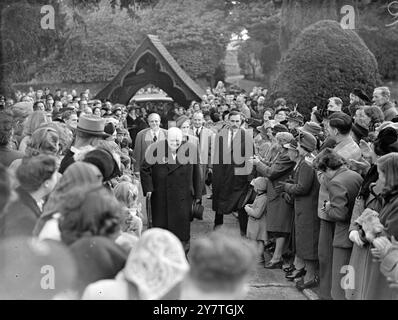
343, 189
306, 222
230, 178
173, 187
20, 217
280, 213
134, 126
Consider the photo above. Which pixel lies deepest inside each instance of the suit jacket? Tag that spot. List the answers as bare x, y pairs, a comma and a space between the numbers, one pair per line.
231, 173
142, 142
343, 189
20, 217
206, 145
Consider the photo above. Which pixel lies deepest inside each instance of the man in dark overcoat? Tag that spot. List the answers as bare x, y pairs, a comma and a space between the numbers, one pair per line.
233, 146
171, 176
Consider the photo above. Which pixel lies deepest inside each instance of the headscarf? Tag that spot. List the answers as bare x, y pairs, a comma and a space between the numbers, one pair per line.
76, 175
157, 264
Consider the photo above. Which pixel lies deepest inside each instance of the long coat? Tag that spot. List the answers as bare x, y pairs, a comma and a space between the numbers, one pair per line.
173, 186
376, 286
230, 178
343, 190
361, 257
306, 222
280, 213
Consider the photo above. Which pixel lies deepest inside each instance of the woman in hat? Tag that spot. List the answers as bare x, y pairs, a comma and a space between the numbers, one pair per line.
154, 270
279, 209
304, 190
369, 117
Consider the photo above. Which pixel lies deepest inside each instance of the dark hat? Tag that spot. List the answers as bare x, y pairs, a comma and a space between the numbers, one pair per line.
386, 141
279, 128
311, 127
307, 141
295, 116
359, 131
109, 128
282, 108
341, 121
196, 211
92, 125
361, 95
104, 161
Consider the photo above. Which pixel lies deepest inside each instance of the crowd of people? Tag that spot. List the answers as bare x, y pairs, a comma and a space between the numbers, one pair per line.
314, 194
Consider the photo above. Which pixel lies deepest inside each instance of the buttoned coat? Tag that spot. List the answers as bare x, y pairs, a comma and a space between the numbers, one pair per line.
174, 186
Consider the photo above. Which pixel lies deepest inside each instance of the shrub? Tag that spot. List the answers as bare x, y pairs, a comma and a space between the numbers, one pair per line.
324, 61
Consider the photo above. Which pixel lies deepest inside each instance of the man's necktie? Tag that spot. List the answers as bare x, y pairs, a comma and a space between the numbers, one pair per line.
198, 134
155, 138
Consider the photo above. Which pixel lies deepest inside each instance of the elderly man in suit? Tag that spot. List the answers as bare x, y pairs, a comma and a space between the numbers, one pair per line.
206, 139
145, 138
171, 177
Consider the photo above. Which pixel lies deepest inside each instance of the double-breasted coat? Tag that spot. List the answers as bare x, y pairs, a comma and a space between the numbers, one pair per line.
230, 177
174, 186
306, 222
280, 213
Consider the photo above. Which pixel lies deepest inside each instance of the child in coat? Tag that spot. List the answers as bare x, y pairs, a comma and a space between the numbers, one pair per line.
256, 226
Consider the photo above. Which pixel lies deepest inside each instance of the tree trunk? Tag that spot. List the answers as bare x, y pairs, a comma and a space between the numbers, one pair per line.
299, 14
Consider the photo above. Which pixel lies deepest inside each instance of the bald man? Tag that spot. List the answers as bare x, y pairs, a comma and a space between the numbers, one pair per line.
172, 179
145, 138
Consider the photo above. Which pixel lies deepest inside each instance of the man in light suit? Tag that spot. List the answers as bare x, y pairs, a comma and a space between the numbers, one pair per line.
145, 138
206, 139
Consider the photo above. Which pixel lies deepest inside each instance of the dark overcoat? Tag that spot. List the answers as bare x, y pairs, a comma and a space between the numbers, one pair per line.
306, 222
174, 186
280, 213
231, 176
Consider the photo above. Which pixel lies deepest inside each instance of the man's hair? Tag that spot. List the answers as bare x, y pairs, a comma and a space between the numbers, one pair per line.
385, 91
35, 105
34, 171
341, 121
328, 158
220, 262
6, 125
235, 113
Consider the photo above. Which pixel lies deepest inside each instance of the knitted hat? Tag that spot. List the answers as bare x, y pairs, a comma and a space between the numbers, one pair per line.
156, 264
260, 183
311, 127
359, 131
